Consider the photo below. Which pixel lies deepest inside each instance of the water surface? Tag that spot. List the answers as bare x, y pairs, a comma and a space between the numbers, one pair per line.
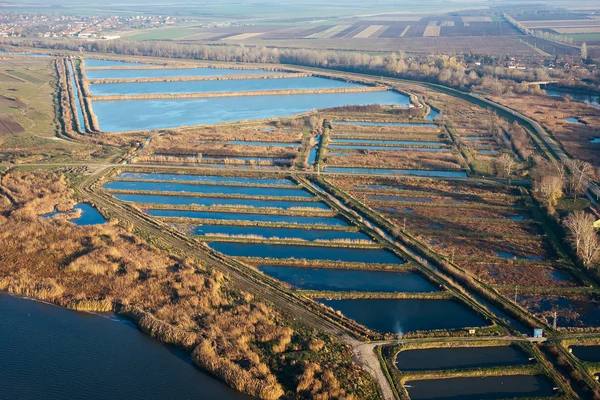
359, 123
587, 353
374, 141
349, 280
53, 353
283, 251
279, 233
171, 72
383, 171
460, 358
481, 388
95, 62
89, 215
577, 96
205, 179
234, 85
131, 115
225, 216
214, 201
80, 117
406, 315
209, 189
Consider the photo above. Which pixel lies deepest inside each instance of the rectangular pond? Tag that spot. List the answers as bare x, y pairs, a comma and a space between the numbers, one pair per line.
279, 233
407, 315
359, 123
460, 358
132, 115
80, 116
350, 280
140, 176
170, 72
481, 388
263, 144
438, 149
95, 62
224, 216
383, 171
283, 251
587, 353
208, 189
401, 142
215, 201
233, 85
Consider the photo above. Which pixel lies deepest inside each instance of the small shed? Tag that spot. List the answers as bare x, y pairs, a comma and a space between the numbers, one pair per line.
538, 333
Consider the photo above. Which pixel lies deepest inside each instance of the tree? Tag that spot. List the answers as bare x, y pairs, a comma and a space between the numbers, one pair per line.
584, 51
506, 163
583, 237
581, 174
550, 188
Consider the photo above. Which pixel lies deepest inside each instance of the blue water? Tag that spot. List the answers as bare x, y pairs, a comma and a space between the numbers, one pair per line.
582, 97
385, 148
385, 124
595, 140
30, 55
265, 144
381, 171
282, 251
80, 117
208, 201
205, 179
587, 353
48, 352
170, 72
510, 256
433, 114
436, 359
89, 215
225, 157
208, 189
312, 154
131, 115
235, 85
226, 216
481, 387
94, 62
402, 142
573, 120
281, 233
349, 280
407, 315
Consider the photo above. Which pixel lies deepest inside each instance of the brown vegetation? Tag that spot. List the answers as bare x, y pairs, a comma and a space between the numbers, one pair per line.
105, 267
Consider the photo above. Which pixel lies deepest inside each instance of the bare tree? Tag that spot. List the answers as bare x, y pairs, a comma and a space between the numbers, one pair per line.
550, 188
583, 237
506, 164
581, 174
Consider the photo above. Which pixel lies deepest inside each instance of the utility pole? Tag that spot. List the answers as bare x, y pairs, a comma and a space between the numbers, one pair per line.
555, 318
516, 292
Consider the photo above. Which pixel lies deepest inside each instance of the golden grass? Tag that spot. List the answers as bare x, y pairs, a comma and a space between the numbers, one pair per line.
367, 32
432, 31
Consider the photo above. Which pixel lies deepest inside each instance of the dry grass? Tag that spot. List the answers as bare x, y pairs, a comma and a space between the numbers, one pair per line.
432, 31
105, 267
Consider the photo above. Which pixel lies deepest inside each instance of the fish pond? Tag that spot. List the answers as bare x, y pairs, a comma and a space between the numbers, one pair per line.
133, 115
279, 233
205, 179
299, 252
481, 388
460, 358
207, 189
168, 72
349, 280
234, 85
407, 315
587, 353
215, 201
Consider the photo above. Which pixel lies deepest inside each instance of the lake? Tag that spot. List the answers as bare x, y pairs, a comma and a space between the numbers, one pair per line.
407, 315
53, 353
132, 115
234, 85
349, 280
